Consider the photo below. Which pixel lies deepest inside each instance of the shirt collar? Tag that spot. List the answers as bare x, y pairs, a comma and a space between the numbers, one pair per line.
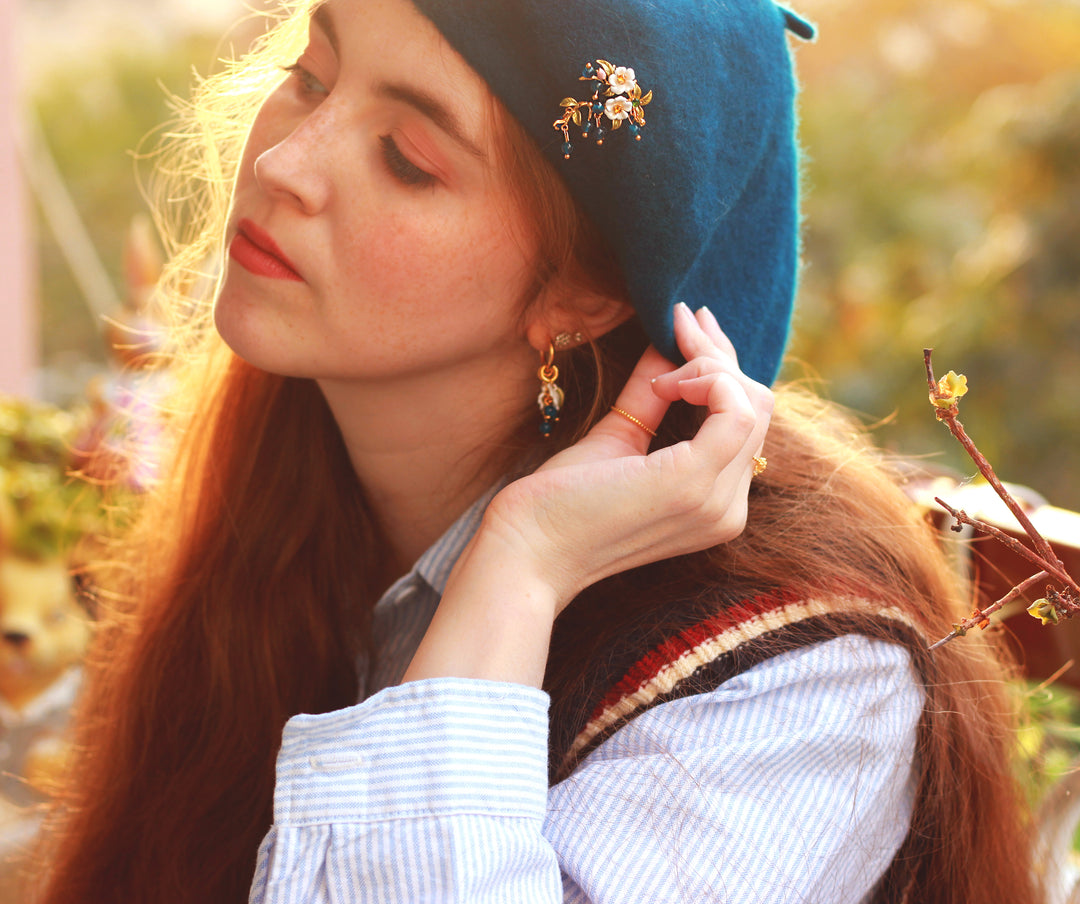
434, 566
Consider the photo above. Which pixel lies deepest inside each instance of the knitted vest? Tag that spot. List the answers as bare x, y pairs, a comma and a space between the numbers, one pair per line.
702, 657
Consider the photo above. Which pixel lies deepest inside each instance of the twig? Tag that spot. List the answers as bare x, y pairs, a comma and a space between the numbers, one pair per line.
1012, 543
950, 417
981, 617
945, 395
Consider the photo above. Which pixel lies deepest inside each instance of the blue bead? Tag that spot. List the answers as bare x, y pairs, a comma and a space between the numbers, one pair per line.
586, 129
567, 148
598, 107
545, 428
635, 129
597, 87
551, 411
600, 136
588, 70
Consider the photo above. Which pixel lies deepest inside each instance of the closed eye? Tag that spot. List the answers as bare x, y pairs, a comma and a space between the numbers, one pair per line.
308, 83
401, 167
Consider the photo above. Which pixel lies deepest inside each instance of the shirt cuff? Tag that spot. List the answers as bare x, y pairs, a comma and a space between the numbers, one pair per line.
437, 747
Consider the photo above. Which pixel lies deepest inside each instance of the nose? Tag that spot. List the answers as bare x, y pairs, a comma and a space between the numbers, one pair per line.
296, 168
17, 639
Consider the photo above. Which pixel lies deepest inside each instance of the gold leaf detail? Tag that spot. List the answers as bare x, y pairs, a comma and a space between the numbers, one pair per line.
568, 102
577, 117
606, 66
639, 116
647, 99
617, 124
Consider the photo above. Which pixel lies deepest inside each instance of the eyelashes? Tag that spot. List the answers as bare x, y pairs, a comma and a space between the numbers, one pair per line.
308, 82
401, 168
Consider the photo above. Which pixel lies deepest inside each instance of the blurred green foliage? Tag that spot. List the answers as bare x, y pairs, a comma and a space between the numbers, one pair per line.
1048, 743
942, 204
43, 510
943, 210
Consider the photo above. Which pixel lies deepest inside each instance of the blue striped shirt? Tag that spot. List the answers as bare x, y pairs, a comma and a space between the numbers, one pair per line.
792, 782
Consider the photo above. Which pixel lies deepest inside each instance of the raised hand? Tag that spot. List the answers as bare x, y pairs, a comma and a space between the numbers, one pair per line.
606, 505
602, 506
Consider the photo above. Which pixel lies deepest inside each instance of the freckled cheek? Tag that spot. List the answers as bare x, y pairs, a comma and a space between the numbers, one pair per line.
435, 265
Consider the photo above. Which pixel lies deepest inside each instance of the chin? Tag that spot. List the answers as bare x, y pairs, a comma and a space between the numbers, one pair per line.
243, 327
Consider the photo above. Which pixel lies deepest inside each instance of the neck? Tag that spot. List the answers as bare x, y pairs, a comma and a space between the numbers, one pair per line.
424, 449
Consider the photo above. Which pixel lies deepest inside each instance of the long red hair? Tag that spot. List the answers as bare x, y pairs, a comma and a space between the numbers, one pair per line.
242, 595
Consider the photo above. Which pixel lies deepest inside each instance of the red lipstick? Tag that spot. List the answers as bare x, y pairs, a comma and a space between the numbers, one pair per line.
255, 251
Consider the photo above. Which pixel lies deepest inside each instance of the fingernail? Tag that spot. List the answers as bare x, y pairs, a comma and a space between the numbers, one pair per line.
684, 308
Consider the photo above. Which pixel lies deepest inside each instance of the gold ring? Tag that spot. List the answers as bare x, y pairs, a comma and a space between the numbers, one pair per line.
632, 419
760, 464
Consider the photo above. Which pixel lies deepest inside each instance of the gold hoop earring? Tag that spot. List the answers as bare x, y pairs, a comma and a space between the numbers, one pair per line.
550, 399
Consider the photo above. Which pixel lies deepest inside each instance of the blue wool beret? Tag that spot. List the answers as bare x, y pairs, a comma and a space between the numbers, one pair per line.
704, 208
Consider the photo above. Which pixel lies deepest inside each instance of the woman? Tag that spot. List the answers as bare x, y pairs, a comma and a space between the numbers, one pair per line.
366, 503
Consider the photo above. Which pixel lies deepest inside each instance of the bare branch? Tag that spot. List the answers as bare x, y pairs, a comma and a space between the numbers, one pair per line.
950, 417
981, 618
1012, 543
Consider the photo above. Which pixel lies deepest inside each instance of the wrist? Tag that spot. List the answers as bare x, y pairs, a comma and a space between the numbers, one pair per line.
494, 620
525, 535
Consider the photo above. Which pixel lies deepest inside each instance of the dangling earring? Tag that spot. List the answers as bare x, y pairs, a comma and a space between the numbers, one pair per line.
550, 399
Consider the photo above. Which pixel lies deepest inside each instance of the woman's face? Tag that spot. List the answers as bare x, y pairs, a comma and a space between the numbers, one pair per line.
372, 235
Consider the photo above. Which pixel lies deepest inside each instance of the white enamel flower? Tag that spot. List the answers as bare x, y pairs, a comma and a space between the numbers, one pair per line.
618, 108
622, 80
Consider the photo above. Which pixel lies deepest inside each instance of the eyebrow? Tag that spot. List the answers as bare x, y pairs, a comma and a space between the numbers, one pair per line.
422, 102
433, 109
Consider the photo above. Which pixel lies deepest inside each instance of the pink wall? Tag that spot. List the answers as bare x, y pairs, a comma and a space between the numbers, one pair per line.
18, 309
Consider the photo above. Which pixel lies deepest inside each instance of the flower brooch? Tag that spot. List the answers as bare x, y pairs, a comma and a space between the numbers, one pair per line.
624, 103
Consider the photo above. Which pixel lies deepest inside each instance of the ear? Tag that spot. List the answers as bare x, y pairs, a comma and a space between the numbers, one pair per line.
590, 314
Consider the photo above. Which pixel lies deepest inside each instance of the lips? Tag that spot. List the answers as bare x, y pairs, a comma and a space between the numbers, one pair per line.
258, 253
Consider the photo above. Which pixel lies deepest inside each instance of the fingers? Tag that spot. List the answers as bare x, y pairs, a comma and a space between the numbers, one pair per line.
705, 347
709, 354
740, 408
737, 421
715, 467
670, 386
688, 337
654, 383
643, 409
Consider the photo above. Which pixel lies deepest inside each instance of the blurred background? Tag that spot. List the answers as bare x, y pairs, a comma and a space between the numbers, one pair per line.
942, 204
943, 210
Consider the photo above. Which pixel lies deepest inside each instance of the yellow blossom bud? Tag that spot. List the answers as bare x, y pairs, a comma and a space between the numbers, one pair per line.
949, 390
1045, 611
